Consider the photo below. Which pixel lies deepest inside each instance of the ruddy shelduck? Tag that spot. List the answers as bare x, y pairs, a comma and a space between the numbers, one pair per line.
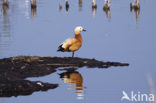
72, 44
75, 81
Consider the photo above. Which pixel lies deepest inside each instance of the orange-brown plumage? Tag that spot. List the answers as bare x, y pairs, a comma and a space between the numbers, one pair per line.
75, 80
72, 44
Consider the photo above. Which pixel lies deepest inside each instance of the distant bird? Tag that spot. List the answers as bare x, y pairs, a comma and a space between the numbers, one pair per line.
135, 5
72, 44
107, 5
67, 5
94, 5
73, 77
75, 81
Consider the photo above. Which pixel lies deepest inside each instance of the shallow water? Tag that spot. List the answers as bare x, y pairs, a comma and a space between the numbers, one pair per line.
120, 38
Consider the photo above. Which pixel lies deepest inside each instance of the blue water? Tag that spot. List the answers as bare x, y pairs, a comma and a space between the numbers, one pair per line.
122, 38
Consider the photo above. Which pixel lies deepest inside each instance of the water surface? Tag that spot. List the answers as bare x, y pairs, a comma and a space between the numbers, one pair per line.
122, 36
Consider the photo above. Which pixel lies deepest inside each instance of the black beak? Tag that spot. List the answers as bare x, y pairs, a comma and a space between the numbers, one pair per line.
84, 30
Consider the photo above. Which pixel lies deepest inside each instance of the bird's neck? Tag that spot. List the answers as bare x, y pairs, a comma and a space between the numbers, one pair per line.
78, 37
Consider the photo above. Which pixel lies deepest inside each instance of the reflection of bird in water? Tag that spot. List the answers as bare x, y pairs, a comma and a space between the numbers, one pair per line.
75, 78
93, 11
137, 12
80, 5
135, 5
136, 8
33, 4
107, 5
106, 9
60, 6
67, 5
108, 13
72, 44
33, 12
94, 7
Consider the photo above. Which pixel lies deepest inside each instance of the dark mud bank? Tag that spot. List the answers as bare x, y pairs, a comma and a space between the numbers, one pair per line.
14, 70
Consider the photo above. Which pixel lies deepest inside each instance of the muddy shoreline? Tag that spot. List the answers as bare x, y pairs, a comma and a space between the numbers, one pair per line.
14, 71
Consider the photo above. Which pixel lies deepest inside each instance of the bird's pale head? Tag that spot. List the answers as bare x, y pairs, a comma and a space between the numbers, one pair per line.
78, 30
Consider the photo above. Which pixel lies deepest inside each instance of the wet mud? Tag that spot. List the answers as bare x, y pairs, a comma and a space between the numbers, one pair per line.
14, 71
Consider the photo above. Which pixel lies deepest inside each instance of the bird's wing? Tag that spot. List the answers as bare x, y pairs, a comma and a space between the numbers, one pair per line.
68, 42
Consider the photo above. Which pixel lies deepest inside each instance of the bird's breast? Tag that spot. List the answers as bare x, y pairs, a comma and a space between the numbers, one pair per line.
77, 44
79, 37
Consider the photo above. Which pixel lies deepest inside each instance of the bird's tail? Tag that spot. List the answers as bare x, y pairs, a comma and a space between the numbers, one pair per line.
60, 48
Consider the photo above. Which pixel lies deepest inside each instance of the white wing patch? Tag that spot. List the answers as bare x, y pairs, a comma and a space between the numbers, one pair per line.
68, 42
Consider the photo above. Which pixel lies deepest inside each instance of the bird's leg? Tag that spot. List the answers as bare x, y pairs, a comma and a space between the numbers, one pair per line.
72, 54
